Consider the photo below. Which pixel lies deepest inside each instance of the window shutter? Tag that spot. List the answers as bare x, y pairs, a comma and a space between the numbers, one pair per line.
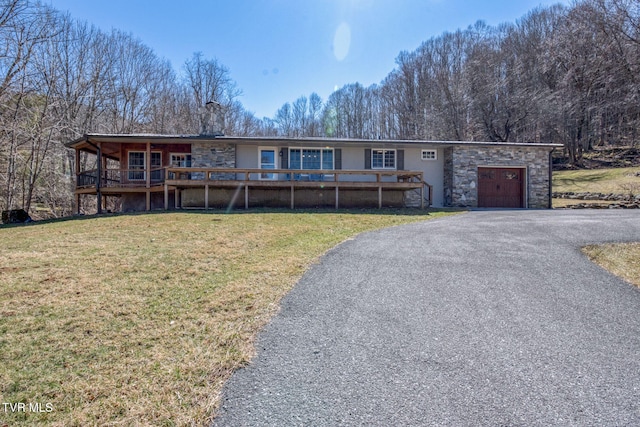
400, 160
284, 163
337, 158
367, 158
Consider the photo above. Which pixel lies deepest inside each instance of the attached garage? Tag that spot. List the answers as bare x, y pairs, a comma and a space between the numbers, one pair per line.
501, 187
498, 175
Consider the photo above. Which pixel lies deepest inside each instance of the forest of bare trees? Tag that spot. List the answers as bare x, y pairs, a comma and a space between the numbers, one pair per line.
560, 74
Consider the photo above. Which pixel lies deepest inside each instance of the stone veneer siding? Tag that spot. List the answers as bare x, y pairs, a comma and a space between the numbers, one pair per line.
461, 172
448, 176
207, 155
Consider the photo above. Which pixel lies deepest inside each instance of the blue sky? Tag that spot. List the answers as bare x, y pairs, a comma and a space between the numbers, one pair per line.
278, 50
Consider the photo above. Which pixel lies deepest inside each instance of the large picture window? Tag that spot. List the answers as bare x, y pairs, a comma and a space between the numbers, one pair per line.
311, 158
383, 159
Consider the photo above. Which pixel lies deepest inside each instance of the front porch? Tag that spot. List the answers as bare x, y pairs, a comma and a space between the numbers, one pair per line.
244, 186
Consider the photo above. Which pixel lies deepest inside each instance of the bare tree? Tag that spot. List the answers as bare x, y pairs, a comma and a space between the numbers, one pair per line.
299, 116
208, 81
284, 120
314, 125
24, 28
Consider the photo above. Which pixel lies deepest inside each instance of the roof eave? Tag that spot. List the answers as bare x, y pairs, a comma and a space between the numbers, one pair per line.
158, 138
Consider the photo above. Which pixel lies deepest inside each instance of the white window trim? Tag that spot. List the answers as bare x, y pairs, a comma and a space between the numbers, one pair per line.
429, 159
144, 165
384, 151
321, 149
171, 155
137, 170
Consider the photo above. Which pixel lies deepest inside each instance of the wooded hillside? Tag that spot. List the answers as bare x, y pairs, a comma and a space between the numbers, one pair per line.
560, 74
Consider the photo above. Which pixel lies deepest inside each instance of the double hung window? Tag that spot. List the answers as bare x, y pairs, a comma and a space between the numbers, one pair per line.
383, 159
138, 163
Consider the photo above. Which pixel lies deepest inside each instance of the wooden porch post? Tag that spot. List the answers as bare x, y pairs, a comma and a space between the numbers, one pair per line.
78, 206
104, 169
148, 176
292, 197
176, 195
99, 178
206, 197
337, 204
166, 196
246, 195
380, 197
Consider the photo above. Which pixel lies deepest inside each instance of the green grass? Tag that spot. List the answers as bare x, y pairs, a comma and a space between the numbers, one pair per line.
621, 180
139, 319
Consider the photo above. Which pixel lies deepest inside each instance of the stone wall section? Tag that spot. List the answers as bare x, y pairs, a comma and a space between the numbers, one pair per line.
412, 199
448, 177
206, 155
464, 165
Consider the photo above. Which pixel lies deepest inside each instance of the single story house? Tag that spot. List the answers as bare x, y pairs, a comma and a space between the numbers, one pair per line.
200, 171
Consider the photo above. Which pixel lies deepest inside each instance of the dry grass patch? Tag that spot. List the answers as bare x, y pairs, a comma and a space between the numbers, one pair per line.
563, 203
621, 259
139, 320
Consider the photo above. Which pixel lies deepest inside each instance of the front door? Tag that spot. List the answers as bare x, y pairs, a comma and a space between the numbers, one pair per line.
268, 160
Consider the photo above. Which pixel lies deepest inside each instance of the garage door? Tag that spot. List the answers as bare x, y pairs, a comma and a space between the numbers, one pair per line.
500, 188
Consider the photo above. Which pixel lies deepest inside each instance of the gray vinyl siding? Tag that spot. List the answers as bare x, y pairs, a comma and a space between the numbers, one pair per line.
354, 158
247, 156
433, 170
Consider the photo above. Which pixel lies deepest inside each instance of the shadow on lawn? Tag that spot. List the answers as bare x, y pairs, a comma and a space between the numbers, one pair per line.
583, 180
222, 211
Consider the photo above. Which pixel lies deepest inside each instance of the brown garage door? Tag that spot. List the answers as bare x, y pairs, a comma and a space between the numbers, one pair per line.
500, 188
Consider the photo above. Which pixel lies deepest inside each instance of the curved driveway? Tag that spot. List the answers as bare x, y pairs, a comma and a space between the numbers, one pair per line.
486, 318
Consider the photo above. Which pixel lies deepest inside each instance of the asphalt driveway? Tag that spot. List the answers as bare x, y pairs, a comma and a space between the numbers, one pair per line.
486, 318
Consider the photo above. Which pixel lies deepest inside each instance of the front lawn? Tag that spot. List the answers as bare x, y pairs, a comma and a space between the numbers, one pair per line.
139, 319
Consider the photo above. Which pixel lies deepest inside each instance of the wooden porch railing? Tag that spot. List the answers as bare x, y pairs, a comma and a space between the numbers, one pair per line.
137, 177
289, 175
117, 178
297, 179
176, 178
